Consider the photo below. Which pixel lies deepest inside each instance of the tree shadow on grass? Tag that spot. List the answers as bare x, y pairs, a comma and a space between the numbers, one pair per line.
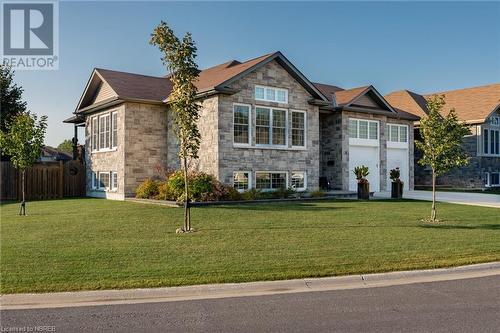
491, 226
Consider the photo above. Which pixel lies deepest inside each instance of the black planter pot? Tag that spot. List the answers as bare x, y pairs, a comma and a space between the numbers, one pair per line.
397, 190
364, 191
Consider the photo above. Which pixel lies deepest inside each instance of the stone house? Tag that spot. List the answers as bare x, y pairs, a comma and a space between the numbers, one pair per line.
263, 125
479, 108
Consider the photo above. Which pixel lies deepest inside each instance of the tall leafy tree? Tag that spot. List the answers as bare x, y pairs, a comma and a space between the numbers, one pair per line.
11, 103
23, 142
441, 142
179, 57
66, 146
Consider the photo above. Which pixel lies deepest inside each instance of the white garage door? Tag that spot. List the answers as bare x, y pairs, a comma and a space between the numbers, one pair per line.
364, 155
398, 158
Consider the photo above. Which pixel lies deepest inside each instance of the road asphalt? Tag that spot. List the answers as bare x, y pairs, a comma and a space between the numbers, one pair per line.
468, 305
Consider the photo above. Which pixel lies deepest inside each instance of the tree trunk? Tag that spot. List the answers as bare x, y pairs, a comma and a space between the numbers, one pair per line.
22, 210
433, 209
187, 215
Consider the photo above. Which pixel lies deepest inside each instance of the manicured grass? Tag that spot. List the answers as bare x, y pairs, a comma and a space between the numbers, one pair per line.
101, 244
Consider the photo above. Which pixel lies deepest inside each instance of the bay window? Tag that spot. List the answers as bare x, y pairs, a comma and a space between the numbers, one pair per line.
104, 131
103, 181
114, 181
241, 124
94, 136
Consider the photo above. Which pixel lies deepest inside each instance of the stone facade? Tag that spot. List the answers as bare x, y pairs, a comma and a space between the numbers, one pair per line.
474, 175
252, 158
334, 158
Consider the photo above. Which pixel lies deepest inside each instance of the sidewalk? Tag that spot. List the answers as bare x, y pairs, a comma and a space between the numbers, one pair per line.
474, 199
131, 296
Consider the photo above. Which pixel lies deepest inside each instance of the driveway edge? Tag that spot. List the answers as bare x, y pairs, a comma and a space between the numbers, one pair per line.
211, 291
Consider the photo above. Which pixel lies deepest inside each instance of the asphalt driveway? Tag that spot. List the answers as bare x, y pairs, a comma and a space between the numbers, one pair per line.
475, 199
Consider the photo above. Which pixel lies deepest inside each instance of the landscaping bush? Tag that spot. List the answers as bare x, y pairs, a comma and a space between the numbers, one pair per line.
318, 194
165, 192
283, 193
148, 189
252, 194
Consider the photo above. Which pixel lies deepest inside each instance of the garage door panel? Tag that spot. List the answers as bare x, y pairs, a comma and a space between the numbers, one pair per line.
398, 158
369, 156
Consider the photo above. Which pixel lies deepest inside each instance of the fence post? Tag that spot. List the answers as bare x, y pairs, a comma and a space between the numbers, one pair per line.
61, 179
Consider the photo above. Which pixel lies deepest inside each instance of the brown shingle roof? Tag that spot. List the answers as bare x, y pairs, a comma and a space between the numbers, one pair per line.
471, 104
347, 96
144, 87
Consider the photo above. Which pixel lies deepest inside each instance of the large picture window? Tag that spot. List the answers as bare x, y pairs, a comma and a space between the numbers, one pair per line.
493, 179
298, 128
103, 181
241, 121
270, 126
270, 180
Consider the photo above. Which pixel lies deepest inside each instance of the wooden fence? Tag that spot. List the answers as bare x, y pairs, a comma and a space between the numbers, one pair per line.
45, 180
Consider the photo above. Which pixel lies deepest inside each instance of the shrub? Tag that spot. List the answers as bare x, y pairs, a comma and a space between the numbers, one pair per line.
148, 189
361, 173
395, 174
165, 192
252, 194
318, 194
283, 193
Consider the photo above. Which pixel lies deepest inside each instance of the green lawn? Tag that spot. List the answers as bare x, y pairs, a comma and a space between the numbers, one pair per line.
100, 244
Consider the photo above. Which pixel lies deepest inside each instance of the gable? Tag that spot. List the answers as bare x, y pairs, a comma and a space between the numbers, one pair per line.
366, 100
103, 91
96, 91
272, 74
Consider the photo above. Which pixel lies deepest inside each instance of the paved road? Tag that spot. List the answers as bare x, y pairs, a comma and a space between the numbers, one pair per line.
475, 199
470, 305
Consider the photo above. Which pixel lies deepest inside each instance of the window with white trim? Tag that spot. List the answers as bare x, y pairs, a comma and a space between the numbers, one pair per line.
298, 181
298, 128
94, 135
270, 94
491, 141
270, 180
104, 131
114, 126
397, 133
114, 180
495, 121
363, 129
241, 180
493, 179
103, 181
241, 124
270, 126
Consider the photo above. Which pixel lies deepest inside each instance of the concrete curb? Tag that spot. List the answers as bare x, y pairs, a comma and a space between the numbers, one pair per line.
211, 291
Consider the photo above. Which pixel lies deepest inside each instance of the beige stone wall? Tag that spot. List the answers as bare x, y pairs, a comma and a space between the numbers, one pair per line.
146, 143
208, 126
261, 159
106, 161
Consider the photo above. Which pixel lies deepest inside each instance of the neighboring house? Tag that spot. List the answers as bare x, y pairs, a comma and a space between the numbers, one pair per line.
49, 154
263, 125
479, 107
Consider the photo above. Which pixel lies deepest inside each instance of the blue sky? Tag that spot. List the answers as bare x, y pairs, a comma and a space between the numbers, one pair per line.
421, 46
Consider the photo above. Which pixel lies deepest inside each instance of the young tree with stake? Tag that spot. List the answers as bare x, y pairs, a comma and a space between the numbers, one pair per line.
441, 142
179, 57
23, 142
